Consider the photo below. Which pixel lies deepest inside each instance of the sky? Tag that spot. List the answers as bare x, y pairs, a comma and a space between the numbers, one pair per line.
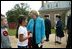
8, 5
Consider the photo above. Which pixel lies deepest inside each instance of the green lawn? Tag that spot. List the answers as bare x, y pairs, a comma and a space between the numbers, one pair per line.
12, 32
52, 30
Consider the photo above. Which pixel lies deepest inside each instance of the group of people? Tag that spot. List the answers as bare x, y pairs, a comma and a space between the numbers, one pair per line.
32, 34
35, 29
59, 28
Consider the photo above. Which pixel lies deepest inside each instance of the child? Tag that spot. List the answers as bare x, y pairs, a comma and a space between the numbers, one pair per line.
22, 33
5, 42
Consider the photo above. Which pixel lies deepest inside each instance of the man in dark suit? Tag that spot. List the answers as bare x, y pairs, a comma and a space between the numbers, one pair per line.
69, 32
59, 30
47, 27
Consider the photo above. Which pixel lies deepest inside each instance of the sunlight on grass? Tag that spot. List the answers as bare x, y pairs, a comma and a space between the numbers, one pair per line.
52, 30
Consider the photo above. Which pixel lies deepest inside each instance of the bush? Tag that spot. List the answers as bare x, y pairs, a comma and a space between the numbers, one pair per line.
12, 25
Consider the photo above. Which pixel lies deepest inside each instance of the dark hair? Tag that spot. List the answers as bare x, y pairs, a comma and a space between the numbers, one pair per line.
20, 20
46, 15
17, 31
58, 16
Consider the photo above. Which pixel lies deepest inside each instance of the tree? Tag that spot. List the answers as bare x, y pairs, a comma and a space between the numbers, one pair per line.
19, 9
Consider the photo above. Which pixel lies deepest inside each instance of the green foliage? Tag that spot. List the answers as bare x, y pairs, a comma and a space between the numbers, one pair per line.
19, 9
12, 32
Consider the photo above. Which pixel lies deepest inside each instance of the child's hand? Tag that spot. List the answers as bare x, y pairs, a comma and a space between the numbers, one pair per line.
30, 34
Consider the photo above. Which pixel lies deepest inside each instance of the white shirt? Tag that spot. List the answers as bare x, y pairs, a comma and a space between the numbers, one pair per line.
22, 30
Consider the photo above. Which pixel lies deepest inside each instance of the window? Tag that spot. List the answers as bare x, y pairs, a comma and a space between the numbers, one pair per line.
48, 5
56, 4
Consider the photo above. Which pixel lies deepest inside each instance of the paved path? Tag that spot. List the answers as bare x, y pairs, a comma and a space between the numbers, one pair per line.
49, 44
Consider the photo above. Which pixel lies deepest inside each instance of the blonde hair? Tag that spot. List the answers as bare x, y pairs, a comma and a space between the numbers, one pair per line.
34, 12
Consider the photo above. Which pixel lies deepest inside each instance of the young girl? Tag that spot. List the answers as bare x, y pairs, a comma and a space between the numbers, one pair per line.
22, 33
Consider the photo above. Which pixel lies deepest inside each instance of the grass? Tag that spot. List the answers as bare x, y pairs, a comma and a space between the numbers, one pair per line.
52, 30
12, 32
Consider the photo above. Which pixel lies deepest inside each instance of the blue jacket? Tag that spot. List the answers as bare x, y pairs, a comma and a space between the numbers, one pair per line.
39, 29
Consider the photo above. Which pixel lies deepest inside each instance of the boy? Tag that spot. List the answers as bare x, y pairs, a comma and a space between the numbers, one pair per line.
5, 43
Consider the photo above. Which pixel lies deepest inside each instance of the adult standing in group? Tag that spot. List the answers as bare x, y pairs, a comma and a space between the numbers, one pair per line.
47, 27
69, 32
37, 28
59, 29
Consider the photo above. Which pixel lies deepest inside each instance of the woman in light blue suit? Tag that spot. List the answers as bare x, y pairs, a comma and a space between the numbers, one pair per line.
37, 28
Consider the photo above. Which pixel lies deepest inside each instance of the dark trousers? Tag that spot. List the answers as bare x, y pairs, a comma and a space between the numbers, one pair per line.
22, 46
30, 42
47, 36
34, 45
69, 42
